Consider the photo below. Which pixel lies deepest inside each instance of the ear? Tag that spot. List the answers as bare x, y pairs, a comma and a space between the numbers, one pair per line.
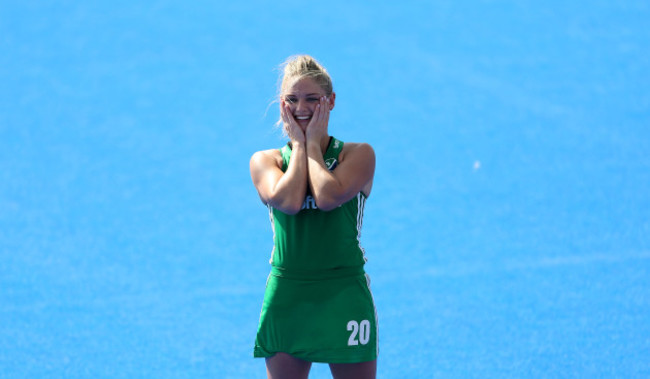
332, 100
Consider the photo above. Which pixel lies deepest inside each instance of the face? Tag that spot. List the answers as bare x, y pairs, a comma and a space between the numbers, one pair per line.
302, 97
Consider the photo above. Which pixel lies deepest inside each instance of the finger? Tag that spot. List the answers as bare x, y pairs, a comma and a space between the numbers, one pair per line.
287, 116
323, 110
326, 105
314, 117
326, 108
287, 112
283, 113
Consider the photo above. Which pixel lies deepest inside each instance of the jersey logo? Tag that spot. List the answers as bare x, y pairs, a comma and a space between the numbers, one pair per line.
309, 203
331, 163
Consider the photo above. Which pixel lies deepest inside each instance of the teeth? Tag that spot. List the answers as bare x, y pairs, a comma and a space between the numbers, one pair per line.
302, 117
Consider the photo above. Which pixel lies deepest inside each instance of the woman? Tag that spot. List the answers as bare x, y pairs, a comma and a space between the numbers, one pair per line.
317, 306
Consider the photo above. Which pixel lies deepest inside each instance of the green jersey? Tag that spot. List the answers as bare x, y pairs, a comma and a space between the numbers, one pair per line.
314, 242
317, 304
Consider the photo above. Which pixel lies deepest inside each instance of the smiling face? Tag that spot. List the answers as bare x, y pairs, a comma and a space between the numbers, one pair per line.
302, 96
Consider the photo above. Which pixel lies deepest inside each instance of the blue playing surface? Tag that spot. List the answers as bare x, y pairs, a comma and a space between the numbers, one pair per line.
508, 232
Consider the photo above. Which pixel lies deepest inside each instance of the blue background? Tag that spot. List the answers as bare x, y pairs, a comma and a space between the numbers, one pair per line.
508, 231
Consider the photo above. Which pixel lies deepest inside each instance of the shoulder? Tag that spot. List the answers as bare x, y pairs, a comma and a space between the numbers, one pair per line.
267, 153
265, 158
359, 150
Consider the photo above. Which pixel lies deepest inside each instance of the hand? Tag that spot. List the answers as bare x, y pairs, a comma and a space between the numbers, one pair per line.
317, 127
294, 131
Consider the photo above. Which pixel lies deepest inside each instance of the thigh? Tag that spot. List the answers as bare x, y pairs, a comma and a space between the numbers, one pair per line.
285, 366
363, 370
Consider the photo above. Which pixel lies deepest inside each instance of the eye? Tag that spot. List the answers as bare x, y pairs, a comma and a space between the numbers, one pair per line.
291, 99
313, 99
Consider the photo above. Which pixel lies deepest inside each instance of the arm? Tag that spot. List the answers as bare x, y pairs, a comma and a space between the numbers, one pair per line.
354, 173
282, 190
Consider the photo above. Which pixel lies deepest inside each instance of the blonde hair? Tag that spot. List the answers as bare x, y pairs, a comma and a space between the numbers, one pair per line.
297, 67
304, 66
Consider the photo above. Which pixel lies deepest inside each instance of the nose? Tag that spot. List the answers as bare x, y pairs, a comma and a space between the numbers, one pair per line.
301, 105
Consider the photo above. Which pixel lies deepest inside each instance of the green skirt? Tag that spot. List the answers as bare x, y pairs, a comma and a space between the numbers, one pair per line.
330, 320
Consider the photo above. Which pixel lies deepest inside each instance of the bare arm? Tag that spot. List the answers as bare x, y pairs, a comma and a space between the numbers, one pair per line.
354, 172
282, 190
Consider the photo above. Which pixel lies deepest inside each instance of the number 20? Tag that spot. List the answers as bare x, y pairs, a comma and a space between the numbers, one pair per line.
361, 329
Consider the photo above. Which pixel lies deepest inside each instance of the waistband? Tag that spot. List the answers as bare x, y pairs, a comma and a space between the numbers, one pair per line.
335, 273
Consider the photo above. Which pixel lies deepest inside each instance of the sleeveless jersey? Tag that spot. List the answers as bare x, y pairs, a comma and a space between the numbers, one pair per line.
314, 243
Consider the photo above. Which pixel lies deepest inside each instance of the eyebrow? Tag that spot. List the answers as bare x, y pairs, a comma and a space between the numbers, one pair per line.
308, 94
